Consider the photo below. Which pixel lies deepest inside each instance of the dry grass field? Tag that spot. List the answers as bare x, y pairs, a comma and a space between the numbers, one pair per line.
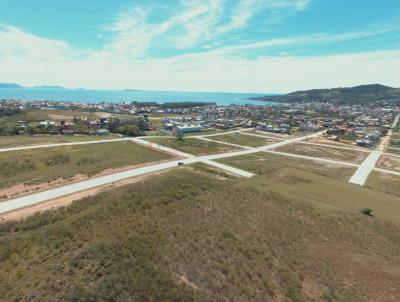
352, 156
289, 234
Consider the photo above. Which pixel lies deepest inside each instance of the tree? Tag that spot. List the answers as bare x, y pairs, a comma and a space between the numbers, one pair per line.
179, 136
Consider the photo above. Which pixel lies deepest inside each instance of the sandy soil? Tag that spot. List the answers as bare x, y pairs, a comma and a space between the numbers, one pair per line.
67, 200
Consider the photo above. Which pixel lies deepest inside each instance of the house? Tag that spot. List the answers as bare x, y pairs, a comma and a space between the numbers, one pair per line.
102, 132
67, 129
188, 128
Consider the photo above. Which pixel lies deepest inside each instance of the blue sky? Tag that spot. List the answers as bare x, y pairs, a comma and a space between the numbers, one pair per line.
208, 45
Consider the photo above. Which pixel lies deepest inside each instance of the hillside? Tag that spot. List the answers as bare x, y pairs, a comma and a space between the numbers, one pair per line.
192, 235
365, 94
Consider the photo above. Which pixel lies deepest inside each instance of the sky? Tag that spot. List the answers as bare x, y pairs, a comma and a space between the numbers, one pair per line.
267, 46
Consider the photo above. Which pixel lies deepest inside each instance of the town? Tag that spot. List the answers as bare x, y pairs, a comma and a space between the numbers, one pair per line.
357, 125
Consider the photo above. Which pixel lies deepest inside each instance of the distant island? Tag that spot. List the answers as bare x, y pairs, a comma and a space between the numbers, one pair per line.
132, 90
364, 94
56, 87
10, 85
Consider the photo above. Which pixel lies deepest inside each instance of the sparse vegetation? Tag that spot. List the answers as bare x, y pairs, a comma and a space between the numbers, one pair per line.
354, 156
37, 166
185, 236
384, 182
192, 145
244, 140
22, 140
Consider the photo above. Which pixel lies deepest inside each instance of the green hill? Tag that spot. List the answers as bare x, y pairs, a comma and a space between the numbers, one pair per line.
192, 235
365, 94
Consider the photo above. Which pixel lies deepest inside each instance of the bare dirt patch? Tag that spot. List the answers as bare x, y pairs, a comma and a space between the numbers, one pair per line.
324, 140
390, 163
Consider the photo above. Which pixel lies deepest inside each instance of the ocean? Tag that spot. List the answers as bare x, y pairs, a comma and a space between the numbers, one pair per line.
119, 96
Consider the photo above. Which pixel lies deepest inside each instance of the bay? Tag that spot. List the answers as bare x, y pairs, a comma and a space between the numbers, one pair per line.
127, 96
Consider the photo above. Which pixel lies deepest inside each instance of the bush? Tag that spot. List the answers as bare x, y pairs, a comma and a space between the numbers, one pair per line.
57, 159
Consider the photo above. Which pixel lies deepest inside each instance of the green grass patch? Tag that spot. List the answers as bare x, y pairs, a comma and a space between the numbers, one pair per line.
23, 140
384, 182
353, 156
43, 165
394, 150
272, 165
191, 145
210, 170
348, 138
244, 140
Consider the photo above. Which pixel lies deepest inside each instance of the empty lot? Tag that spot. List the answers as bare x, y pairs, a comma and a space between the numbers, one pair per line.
31, 168
192, 145
244, 140
352, 156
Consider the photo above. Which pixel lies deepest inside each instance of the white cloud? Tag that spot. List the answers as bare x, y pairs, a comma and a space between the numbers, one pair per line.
16, 43
206, 72
189, 23
30, 60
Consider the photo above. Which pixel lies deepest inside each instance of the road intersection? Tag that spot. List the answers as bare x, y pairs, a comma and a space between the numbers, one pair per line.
184, 158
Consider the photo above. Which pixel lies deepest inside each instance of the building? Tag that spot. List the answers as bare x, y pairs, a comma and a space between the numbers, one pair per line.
188, 128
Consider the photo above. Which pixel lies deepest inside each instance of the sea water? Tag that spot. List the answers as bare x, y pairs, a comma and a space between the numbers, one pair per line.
127, 96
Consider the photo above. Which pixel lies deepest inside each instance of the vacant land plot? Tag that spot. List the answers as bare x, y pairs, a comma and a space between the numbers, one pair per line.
384, 182
38, 166
325, 140
244, 140
184, 236
271, 164
276, 135
390, 163
23, 140
324, 152
328, 183
192, 145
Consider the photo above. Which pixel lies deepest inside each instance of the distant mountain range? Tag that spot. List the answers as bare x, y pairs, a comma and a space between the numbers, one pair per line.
14, 86
363, 94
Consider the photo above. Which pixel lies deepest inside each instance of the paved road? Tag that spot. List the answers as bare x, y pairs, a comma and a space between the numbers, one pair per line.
396, 121
228, 168
62, 144
223, 143
32, 199
387, 171
220, 133
361, 175
324, 160
50, 194
391, 154
161, 148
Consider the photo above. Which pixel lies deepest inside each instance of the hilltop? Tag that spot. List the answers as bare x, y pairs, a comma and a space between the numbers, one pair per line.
363, 95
